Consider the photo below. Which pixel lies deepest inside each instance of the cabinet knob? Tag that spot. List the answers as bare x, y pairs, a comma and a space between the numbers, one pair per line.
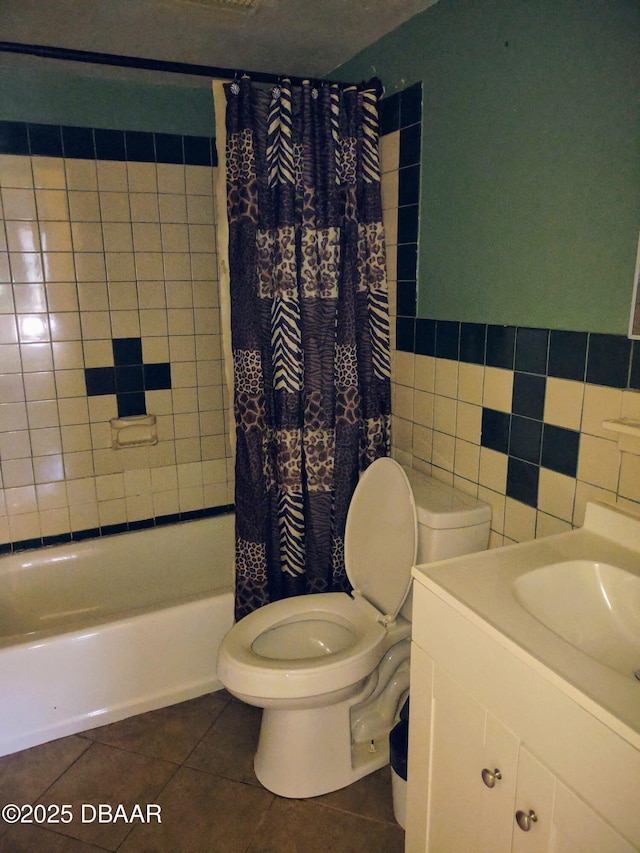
490, 777
525, 819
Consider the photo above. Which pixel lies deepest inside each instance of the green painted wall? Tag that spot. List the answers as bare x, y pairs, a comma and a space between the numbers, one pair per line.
530, 196
78, 99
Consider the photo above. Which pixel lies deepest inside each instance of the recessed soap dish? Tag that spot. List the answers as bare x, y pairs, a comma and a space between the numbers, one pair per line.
133, 431
628, 430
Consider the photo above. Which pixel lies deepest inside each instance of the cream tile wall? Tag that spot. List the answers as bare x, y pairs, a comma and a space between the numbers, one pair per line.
437, 429
91, 251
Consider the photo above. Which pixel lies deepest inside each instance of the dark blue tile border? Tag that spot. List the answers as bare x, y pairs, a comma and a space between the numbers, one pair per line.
406, 298
114, 529
609, 360
473, 337
45, 140
409, 185
634, 372
389, 114
411, 105
408, 224
109, 144
14, 138
86, 143
139, 146
501, 345
403, 111
532, 346
78, 142
425, 337
406, 334
410, 140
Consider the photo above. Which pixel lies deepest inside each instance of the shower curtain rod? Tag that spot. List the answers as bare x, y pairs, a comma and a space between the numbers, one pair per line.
167, 66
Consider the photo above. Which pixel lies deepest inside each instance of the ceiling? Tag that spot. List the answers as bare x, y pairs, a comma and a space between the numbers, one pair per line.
296, 37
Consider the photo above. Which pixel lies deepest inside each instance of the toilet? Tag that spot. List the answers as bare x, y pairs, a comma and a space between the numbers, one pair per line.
331, 670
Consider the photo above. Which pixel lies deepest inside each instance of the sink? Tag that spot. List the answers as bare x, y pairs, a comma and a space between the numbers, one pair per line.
592, 605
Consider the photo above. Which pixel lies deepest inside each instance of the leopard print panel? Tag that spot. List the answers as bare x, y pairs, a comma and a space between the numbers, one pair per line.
251, 560
321, 253
347, 160
277, 263
250, 412
372, 262
348, 405
241, 158
338, 570
251, 577
346, 366
247, 371
289, 458
319, 452
376, 439
242, 184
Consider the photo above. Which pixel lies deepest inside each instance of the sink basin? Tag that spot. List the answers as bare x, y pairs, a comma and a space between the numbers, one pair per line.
592, 605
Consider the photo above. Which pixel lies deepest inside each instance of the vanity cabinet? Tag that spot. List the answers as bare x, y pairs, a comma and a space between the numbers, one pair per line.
490, 738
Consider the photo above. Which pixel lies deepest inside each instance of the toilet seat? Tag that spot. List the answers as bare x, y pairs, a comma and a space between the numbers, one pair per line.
239, 664
381, 536
380, 550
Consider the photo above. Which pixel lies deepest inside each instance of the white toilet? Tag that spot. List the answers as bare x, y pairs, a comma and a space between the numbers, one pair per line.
331, 670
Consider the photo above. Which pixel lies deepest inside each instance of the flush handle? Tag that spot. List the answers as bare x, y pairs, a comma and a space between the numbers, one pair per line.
490, 777
526, 819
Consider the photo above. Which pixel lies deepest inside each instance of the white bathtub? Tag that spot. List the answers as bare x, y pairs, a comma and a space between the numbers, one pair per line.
99, 630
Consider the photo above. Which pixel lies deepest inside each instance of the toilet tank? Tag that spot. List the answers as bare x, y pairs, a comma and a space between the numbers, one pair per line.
450, 522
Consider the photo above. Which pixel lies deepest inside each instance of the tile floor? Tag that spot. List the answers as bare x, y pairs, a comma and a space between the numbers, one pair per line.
195, 760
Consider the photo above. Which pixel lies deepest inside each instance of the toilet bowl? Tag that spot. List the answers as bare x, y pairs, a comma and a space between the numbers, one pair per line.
331, 670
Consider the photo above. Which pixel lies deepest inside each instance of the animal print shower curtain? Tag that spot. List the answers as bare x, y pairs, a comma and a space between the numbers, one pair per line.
309, 327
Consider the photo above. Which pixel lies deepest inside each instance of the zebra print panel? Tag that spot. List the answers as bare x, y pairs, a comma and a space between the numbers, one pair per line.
370, 161
334, 116
379, 328
280, 148
291, 529
286, 344
273, 140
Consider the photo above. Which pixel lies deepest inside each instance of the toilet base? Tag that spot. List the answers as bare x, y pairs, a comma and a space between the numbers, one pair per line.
306, 753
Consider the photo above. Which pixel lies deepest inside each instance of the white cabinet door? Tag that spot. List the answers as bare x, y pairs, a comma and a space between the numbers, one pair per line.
561, 821
464, 814
459, 680
576, 828
500, 753
533, 805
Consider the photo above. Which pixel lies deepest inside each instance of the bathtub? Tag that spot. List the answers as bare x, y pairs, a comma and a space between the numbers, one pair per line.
96, 631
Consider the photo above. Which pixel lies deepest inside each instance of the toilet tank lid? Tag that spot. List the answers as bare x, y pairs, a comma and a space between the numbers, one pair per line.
442, 507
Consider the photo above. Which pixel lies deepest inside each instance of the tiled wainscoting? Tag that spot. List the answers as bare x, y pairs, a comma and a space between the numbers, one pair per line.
512, 415
109, 306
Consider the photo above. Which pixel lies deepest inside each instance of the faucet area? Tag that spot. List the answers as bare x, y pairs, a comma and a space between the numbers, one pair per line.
401, 398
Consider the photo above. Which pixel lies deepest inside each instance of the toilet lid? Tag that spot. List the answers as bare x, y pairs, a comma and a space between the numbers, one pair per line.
381, 536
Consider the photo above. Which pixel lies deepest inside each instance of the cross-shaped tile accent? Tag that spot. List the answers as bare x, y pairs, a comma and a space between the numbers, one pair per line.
129, 378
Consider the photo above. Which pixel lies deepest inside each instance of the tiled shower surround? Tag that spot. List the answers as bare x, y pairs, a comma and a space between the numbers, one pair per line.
109, 306
510, 415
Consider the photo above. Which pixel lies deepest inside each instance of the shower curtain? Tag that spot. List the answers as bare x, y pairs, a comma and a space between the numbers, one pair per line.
309, 327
